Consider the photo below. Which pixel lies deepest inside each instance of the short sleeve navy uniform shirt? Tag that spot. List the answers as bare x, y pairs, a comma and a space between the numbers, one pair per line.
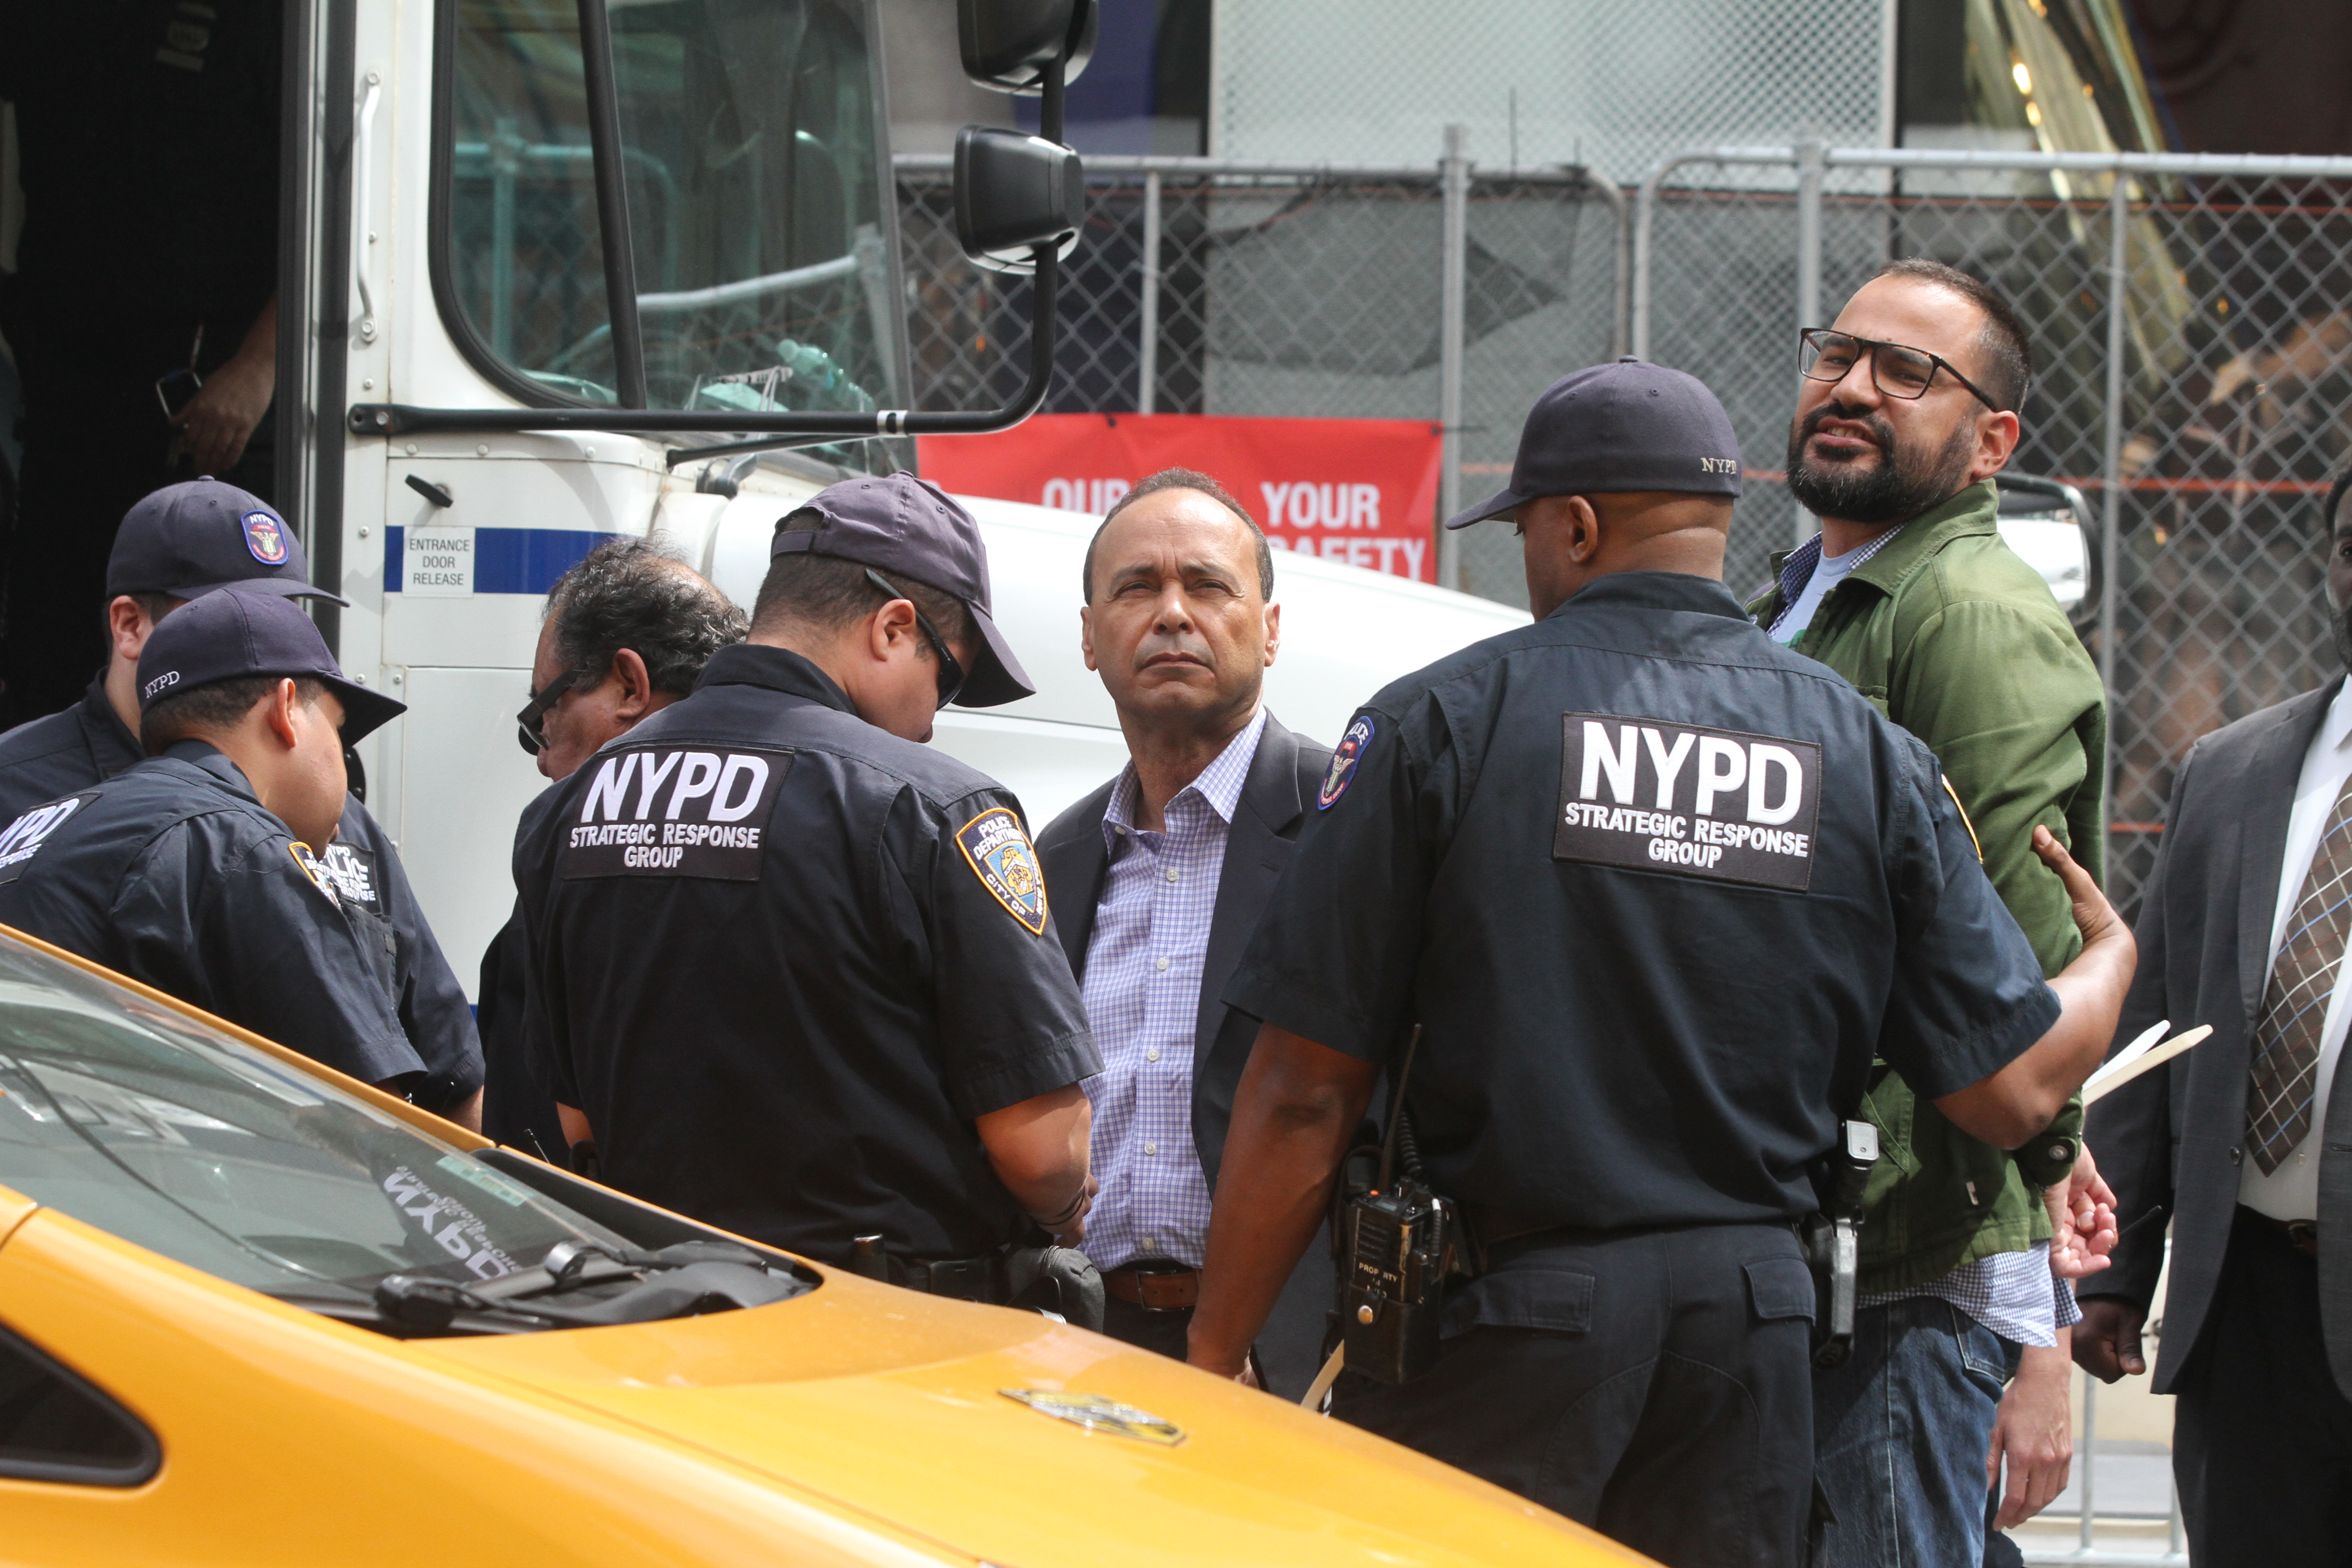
173, 874
1657, 889
782, 960
74, 750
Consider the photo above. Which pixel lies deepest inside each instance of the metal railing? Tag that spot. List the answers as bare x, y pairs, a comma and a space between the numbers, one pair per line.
2088, 1552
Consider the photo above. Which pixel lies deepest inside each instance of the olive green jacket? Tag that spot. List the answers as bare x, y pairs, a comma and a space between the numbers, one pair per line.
1959, 642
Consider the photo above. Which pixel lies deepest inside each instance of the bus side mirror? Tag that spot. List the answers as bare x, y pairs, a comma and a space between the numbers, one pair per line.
1010, 44
1013, 193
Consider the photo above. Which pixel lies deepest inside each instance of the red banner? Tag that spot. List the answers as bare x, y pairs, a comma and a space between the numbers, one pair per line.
1360, 491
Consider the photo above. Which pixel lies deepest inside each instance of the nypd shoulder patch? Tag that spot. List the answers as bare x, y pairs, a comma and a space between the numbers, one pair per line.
315, 873
1001, 857
1344, 758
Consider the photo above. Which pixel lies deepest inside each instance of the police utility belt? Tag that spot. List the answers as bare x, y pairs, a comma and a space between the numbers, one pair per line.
1058, 1281
1400, 1245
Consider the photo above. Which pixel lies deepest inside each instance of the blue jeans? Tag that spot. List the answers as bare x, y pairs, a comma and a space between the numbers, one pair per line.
1900, 1434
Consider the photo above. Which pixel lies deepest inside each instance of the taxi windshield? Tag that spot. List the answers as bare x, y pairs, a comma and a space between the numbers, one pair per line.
754, 191
146, 1124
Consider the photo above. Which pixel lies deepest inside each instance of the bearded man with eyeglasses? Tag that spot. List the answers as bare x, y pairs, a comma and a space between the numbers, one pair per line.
1907, 407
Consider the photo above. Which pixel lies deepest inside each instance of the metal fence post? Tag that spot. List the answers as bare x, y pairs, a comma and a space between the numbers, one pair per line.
1452, 291
2111, 521
2090, 1452
1146, 356
1810, 163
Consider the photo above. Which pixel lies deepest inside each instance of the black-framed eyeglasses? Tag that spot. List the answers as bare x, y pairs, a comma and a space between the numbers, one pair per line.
951, 672
532, 719
1824, 353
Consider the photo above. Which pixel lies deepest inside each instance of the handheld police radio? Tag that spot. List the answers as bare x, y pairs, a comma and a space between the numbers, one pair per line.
1398, 1244
1833, 1242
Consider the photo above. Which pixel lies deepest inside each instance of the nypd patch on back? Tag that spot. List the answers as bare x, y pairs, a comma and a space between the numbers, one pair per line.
353, 871
22, 839
675, 811
1001, 857
1651, 795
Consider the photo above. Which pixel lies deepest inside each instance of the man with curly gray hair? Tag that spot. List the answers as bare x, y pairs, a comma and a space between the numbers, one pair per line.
627, 633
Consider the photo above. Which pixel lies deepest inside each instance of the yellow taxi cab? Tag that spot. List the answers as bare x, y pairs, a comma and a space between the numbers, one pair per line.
254, 1312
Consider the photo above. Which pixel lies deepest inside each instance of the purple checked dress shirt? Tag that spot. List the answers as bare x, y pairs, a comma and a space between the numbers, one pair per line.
1143, 1000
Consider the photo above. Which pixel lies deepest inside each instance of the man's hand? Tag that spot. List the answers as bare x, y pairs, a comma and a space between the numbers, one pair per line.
2081, 1220
2106, 1342
1071, 1229
1294, 1111
221, 417
2033, 1429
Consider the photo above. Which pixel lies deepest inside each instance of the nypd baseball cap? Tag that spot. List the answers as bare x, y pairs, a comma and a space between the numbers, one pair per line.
898, 524
193, 539
1610, 429
234, 633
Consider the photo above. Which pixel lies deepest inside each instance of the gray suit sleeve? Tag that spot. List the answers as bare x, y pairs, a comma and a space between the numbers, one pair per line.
2130, 1131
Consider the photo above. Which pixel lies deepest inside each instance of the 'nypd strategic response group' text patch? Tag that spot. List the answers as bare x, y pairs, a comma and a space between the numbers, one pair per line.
1689, 800
23, 838
674, 811
1001, 859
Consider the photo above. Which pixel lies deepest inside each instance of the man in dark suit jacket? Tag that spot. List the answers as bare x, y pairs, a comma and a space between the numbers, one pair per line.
1156, 880
2243, 927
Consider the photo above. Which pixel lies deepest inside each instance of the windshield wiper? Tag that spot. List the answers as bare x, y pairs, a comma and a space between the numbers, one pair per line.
682, 1280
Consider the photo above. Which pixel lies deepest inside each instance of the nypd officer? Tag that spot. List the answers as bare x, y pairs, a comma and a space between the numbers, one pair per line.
195, 872
1655, 890
791, 969
175, 546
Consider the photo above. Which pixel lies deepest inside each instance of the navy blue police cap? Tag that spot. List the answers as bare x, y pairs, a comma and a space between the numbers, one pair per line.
232, 634
1613, 428
901, 524
193, 539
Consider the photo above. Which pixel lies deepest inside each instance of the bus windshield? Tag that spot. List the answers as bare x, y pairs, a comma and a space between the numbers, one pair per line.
755, 191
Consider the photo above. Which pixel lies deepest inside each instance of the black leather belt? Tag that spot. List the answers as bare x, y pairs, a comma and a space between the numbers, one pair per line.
961, 1279
2302, 1235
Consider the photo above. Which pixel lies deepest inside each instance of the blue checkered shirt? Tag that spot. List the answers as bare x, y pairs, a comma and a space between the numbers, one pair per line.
1797, 570
1143, 1001
2012, 1293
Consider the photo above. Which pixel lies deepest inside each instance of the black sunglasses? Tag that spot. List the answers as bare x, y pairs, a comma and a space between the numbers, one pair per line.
532, 719
1824, 353
951, 672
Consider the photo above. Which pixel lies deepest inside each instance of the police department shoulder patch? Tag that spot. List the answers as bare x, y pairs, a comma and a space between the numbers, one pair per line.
264, 538
316, 873
1001, 859
1342, 771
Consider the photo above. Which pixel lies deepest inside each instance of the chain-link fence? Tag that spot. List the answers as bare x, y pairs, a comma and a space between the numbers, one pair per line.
1202, 286
2203, 419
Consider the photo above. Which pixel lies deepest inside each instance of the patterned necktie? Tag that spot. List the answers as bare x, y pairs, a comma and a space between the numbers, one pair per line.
2294, 1007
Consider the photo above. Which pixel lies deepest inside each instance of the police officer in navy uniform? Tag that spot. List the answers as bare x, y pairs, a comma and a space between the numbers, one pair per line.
178, 545
194, 871
1655, 890
793, 971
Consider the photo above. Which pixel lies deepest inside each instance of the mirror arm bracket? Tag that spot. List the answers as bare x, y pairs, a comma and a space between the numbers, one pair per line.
603, 92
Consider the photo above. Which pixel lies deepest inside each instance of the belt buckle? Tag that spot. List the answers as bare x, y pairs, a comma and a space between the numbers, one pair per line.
2304, 1233
1167, 1289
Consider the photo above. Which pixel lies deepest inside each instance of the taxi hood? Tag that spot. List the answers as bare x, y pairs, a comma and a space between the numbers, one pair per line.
896, 1405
